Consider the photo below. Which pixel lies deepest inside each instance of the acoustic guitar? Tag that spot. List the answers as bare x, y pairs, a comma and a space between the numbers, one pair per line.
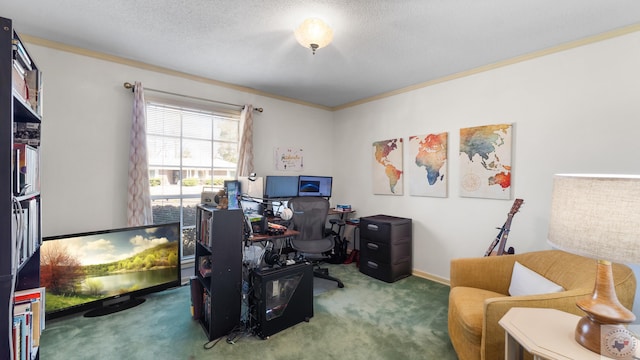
503, 235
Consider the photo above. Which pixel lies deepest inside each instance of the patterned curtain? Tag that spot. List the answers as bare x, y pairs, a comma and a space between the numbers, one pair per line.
245, 153
139, 198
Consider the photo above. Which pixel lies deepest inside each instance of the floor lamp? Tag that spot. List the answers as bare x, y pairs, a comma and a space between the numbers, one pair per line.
598, 216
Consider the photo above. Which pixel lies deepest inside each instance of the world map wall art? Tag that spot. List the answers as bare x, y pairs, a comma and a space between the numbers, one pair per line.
427, 173
485, 161
387, 167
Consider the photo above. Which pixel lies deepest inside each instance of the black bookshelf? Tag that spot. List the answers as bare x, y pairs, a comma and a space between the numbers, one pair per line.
219, 237
20, 111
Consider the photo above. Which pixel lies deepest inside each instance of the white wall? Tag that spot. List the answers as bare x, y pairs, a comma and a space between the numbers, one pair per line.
85, 147
574, 111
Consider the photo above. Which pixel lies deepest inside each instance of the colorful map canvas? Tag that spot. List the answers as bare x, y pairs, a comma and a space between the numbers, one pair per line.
387, 167
485, 161
427, 173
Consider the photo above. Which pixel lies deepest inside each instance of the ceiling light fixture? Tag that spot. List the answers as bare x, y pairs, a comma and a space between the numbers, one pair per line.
314, 34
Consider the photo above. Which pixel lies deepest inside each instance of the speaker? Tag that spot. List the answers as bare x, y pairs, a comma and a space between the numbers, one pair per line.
208, 196
281, 297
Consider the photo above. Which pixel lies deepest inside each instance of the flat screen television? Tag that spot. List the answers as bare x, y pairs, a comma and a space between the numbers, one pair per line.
279, 187
107, 271
315, 186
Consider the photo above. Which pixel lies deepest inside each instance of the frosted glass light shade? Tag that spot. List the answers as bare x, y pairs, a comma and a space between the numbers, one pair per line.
597, 216
314, 34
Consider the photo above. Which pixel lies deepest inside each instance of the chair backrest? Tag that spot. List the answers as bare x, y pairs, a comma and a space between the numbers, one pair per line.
309, 216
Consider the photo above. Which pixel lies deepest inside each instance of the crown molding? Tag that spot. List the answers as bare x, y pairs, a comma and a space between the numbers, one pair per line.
552, 50
159, 69
120, 60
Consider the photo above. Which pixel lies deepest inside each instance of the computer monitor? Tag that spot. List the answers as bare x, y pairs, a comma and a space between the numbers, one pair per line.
280, 187
314, 185
252, 188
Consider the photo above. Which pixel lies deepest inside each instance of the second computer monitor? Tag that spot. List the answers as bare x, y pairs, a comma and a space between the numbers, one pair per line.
314, 185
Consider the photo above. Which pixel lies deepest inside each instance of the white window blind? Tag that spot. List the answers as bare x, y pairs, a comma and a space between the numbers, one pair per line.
189, 147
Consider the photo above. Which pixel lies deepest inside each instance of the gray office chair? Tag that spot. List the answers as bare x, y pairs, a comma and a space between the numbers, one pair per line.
314, 241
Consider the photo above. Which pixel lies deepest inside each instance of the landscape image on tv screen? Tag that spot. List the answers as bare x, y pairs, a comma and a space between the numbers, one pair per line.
79, 271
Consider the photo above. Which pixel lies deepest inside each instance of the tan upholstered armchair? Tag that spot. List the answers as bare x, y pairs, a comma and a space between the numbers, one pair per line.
479, 295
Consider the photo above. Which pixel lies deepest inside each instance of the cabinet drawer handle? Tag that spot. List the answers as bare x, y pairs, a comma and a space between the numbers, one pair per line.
373, 227
372, 246
372, 265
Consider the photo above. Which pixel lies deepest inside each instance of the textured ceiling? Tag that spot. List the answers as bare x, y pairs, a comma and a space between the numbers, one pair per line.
379, 45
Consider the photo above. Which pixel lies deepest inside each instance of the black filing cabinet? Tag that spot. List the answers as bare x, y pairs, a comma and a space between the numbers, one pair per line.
385, 247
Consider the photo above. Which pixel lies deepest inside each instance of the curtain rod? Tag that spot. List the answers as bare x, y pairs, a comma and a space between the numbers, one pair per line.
128, 85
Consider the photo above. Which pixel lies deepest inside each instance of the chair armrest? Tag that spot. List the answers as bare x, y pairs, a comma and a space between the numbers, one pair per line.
496, 308
489, 273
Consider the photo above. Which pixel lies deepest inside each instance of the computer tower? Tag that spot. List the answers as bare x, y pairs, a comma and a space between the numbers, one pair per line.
281, 297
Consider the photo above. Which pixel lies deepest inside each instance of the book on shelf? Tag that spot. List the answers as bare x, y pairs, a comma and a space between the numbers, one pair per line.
20, 337
16, 230
20, 71
23, 315
26, 237
196, 297
206, 306
33, 81
35, 298
16, 332
33, 231
26, 169
31, 92
206, 219
19, 84
20, 54
28, 321
21, 231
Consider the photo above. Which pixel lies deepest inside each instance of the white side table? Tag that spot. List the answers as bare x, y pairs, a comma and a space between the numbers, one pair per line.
547, 334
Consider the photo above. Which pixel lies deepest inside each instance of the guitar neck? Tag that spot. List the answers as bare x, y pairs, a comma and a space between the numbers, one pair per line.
504, 232
495, 242
505, 235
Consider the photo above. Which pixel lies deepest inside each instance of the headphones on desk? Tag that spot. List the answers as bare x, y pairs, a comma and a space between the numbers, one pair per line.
286, 214
271, 257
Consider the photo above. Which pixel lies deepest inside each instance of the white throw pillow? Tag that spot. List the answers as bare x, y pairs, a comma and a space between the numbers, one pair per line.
525, 281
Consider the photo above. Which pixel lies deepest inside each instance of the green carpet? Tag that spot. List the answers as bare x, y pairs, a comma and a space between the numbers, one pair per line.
367, 319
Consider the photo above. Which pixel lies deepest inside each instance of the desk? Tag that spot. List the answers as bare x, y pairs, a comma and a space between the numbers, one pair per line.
265, 237
334, 211
271, 250
341, 222
548, 334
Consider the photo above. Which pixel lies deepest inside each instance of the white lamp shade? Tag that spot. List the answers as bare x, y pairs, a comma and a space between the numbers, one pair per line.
314, 31
597, 216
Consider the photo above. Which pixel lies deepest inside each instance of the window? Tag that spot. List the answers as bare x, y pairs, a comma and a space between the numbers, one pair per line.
189, 147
